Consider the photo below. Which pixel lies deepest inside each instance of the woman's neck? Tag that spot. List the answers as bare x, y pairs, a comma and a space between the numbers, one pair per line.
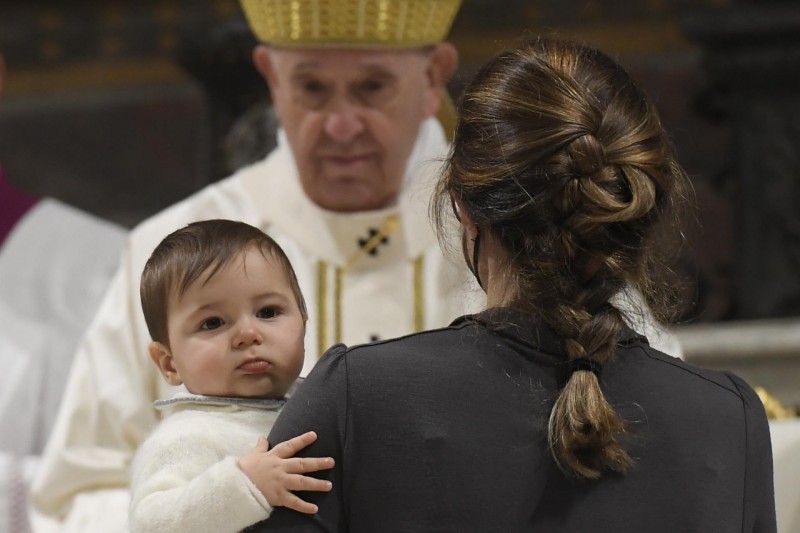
493, 264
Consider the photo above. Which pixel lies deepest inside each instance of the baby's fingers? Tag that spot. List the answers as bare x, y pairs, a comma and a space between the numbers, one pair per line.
303, 483
261, 446
306, 483
304, 465
290, 447
293, 502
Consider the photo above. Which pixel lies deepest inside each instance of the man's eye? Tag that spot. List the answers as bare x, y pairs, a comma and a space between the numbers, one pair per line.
211, 323
372, 86
311, 94
313, 86
374, 92
267, 312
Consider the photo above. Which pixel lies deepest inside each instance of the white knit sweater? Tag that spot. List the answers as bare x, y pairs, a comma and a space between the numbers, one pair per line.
185, 476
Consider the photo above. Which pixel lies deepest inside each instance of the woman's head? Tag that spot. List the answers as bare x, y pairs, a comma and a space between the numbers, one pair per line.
561, 162
562, 159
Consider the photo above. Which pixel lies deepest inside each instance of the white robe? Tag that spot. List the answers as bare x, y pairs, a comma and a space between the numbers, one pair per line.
185, 476
408, 284
54, 269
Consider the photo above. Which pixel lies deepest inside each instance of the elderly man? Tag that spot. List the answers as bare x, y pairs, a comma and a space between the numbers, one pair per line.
356, 86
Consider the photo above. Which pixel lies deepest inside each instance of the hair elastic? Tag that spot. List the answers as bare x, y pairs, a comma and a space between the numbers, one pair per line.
582, 363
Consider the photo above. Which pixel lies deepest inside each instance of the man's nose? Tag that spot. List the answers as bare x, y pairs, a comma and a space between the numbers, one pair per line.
344, 121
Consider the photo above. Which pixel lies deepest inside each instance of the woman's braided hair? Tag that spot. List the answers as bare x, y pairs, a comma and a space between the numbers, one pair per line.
562, 158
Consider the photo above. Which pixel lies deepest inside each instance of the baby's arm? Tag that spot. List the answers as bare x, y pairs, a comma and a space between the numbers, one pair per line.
276, 473
183, 481
184, 486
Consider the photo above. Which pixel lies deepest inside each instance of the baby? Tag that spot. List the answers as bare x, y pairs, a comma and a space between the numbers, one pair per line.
227, 320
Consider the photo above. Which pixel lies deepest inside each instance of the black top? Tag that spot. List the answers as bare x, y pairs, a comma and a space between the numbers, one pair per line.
445, 430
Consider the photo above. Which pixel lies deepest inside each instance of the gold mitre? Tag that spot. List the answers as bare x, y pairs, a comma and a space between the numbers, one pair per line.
360, 23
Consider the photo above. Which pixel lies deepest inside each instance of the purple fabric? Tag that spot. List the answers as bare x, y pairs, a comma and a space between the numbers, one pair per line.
13, 205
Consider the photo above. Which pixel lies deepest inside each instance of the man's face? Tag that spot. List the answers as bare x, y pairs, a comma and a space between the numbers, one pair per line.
238, 333
351, 118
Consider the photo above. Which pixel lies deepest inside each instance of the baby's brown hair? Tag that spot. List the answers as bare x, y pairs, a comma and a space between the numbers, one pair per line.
185, 254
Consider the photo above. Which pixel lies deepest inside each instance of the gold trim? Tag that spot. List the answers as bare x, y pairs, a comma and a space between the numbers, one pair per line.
419, 294
447, 116
418, 270
337, 298
773, 407
322, 308
391, 223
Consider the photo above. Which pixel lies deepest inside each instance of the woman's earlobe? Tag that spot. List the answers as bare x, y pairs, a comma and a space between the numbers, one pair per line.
465, 218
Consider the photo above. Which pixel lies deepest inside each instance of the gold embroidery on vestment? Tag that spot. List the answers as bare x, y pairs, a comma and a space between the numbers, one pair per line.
323, 324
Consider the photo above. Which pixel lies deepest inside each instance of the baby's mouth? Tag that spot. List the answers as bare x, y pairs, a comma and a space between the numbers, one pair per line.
255, 366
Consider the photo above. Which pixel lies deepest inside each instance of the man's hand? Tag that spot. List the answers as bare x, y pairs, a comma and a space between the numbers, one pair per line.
277, 473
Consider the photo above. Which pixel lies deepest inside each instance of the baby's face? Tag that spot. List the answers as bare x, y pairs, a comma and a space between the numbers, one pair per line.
240, 333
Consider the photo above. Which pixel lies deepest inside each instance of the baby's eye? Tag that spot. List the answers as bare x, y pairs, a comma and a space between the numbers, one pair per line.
211, 323
267, 312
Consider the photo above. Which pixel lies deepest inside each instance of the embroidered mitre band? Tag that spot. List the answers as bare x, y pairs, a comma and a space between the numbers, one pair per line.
357, 23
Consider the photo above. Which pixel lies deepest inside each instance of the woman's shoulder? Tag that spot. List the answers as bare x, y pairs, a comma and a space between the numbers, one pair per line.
717, 387
420, 355
422, 343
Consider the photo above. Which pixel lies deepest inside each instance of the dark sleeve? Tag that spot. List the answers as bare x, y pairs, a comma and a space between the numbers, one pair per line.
320, 405
759, 498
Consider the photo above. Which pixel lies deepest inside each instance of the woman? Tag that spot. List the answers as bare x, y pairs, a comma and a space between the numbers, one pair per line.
546, 412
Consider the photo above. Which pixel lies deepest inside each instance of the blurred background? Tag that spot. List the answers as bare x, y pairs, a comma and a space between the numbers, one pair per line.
121, 108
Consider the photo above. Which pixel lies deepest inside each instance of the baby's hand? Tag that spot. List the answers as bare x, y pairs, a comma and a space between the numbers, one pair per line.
277, 472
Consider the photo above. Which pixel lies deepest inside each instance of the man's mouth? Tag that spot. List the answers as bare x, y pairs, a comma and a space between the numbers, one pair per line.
346, 159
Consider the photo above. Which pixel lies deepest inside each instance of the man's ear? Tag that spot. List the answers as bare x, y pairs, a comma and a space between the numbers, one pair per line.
162, 357
442, 65
262, 60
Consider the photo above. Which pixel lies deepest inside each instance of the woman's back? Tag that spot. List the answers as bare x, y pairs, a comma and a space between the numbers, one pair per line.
568, 195
447, 431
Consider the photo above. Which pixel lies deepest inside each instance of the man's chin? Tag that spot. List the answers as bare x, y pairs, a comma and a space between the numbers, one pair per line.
349, 205
349, 196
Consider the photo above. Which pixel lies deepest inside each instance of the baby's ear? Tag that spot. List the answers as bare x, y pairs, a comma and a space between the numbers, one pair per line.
162, 357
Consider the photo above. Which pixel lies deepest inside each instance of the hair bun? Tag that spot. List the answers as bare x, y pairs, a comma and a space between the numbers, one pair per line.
587, 155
